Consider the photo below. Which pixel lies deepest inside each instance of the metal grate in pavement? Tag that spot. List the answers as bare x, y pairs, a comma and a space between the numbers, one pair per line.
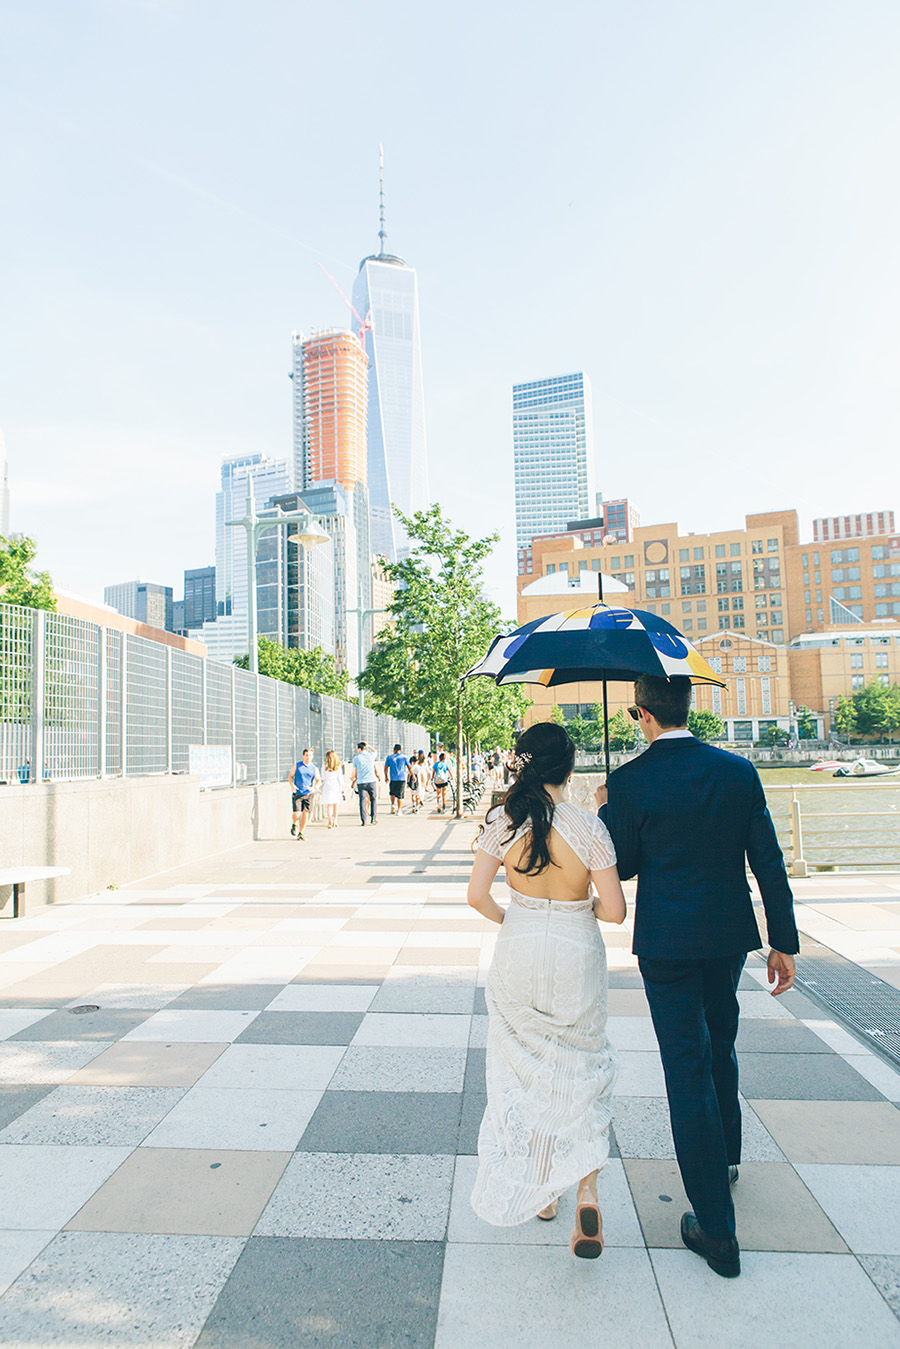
865, 1003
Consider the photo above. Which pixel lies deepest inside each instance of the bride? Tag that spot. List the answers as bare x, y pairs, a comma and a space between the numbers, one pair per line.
550, 1069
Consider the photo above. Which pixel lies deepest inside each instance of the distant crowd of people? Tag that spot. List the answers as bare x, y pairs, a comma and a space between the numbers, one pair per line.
420, 774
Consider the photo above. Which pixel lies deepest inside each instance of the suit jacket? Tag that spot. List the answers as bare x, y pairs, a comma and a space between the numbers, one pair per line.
683, 817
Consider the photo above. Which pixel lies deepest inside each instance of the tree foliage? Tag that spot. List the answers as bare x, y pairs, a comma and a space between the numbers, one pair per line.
844, 719
315, 669
705, 725
18, 583
621, 731
441, 624
806, 724
872, 712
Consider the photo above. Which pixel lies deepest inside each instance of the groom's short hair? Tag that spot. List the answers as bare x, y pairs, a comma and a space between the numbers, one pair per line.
668, 700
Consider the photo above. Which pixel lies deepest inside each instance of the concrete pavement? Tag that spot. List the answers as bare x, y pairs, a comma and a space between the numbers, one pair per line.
240, 1102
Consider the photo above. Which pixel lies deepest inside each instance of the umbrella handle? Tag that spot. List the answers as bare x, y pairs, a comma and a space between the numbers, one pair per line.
606, 726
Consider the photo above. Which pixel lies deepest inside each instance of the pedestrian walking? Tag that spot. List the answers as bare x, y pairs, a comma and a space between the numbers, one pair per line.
419, 775
364, 779
333, 789
396, 770
441, 776
686, 818
304, 780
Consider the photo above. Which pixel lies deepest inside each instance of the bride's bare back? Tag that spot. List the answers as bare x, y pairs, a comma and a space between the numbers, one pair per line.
566, 879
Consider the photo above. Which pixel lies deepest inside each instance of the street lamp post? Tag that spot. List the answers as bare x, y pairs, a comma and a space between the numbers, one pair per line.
363, 615
309, 535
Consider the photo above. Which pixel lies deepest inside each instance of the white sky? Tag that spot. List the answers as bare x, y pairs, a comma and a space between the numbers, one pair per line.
694, 202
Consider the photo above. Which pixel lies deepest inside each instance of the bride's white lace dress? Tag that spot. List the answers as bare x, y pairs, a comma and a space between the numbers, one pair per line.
550, 1069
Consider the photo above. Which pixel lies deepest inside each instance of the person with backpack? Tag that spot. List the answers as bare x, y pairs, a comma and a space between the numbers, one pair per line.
441, 776
396, 770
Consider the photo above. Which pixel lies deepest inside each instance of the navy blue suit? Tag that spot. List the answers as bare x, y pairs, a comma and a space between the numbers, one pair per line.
684, 816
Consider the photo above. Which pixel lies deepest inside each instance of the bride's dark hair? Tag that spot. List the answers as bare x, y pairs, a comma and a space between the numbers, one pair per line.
545, 753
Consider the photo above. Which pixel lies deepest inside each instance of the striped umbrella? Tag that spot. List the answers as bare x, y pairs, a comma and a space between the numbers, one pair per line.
601, 642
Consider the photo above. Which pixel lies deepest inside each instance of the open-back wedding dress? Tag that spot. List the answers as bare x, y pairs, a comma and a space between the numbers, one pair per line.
550, 1069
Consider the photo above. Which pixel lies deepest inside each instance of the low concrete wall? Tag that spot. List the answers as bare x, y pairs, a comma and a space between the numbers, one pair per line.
115, 830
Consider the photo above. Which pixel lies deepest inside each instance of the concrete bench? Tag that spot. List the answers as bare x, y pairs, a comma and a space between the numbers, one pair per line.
17, 878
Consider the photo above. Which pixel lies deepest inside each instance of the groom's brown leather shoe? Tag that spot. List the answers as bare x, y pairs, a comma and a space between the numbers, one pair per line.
724, 1257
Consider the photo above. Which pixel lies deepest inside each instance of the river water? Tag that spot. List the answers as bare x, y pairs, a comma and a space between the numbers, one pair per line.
846, 826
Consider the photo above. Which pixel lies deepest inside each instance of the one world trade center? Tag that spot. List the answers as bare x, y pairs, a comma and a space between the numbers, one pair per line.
385, 296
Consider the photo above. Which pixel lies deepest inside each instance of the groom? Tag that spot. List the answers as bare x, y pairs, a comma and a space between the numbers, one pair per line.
683, 817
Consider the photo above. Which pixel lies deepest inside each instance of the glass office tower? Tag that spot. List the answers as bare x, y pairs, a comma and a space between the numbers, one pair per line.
553, 454
385, 296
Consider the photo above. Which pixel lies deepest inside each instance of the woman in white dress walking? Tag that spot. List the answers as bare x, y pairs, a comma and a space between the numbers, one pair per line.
333, 790
550, 1069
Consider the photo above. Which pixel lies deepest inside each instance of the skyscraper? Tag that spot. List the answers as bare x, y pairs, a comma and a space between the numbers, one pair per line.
199, 596
142, 600
331, 374
294, 586
385, 296
553, 454
271, 477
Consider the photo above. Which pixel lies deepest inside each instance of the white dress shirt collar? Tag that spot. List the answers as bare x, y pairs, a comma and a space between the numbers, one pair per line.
681, 733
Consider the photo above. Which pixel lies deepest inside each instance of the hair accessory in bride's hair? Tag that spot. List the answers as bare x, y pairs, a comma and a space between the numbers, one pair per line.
520, 763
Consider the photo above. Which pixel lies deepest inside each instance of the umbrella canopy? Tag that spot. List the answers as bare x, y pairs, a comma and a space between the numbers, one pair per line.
596, 643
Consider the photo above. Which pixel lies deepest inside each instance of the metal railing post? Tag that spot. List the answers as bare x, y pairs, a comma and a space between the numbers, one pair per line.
203, 696
798, 861
168, 710
38, 659
233, 732
101, 704
256, 680
123, 710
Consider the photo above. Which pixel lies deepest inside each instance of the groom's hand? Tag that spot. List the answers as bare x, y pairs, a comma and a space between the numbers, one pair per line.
782, 968
601, 795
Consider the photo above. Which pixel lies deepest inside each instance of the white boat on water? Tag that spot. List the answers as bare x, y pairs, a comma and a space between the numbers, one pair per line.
822, 764
865, 768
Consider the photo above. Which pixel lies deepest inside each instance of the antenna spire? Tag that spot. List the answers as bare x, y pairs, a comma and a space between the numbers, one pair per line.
382, 232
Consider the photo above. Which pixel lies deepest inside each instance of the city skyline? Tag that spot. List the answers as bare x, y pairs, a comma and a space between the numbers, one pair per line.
695, 213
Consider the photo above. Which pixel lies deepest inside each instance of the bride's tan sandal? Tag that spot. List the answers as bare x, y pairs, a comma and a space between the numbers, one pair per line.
587, 1239
549, 1213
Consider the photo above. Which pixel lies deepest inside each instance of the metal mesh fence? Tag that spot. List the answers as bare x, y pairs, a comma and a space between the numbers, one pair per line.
187, 707
81, 701
112, 712
146, 699
16, 691
71, 698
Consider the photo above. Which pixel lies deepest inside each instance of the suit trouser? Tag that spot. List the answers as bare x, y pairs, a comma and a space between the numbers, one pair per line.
695, 1012
366, 793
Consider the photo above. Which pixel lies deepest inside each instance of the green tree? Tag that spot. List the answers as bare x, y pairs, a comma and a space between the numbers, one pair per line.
556, 715
441, 624
891, 719
621, 731
844, 720
705, 725
773, 737
806, 724
18, 583
315, 669
871, 704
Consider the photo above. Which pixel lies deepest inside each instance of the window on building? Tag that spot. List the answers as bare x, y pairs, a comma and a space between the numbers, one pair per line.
881, 660
737, 620
688, 624
629, 559
772, 545
698, 554
701, 606
807, 597
650, 591
551, 568
806, 578
764, 664
774, 564
723, 606
596, 564
809, 615
879, 550
857, 681
763, 636
736, 569
856, 661
721, 568
615, 563
582, 566
685, 573
737, 602
776, 616
701, 625
817, 577
815, 559
804, 559
684, 554
715, 664
735, 549
777, 635
686, 606
628, 578
760, 601
649, 575
725, 620
756, 547
884, 680
720, 550
739, 665
665, 609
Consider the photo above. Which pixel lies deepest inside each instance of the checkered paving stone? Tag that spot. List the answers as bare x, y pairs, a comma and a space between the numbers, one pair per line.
248, 1114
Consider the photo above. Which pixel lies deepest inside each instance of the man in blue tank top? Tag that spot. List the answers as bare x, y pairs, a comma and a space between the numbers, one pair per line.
304, 779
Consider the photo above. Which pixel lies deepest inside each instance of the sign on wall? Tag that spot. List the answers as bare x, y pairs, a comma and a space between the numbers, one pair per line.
211, 764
